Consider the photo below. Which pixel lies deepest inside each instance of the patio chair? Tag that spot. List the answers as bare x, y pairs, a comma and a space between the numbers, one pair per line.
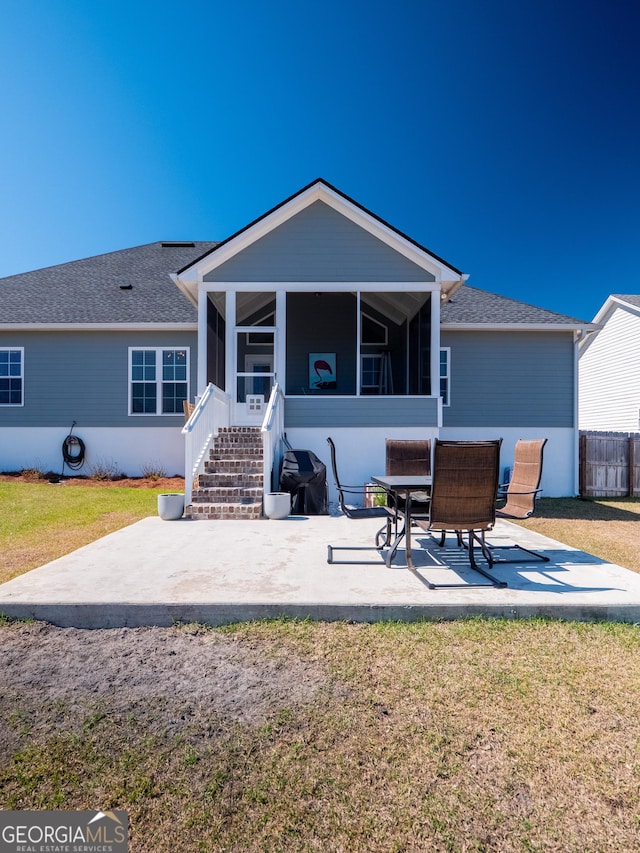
521, 491
383, 536
410, 456
463, 498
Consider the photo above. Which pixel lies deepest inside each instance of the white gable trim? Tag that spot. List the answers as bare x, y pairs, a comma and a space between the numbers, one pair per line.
611, 303
603, 316
448, 278
324, 286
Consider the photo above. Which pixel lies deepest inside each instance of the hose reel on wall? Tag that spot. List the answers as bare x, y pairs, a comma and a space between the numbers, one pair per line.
73, 451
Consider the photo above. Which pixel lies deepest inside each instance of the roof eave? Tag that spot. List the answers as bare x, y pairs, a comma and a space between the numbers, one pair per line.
188, 288
98, 327
518, 327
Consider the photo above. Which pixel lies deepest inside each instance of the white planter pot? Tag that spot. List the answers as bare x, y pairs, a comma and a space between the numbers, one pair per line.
277, 504
171, 506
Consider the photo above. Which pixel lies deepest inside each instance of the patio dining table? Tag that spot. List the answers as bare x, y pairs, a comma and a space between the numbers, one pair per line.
402, 486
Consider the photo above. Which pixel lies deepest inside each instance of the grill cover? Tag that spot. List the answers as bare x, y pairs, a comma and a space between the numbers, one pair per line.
304, 476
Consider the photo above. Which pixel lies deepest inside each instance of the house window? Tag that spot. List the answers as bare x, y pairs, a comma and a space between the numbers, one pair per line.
445, 375
370, 367
158, 380
11, 377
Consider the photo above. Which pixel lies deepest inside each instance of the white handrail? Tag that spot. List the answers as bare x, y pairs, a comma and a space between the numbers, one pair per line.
272, 433
212, 412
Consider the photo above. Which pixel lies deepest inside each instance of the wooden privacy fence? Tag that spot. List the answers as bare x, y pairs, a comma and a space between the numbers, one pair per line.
609, 465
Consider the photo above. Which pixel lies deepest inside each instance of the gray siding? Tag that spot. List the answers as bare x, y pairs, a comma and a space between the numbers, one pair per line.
510, 379
334, 412
83, 376
318, 244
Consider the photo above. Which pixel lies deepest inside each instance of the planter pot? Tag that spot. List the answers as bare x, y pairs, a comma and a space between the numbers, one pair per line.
277, 504
171, 506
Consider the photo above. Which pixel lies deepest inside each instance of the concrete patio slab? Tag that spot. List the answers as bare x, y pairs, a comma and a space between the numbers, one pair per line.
158, 572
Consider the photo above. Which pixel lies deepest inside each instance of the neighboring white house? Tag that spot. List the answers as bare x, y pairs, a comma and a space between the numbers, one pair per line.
609, 368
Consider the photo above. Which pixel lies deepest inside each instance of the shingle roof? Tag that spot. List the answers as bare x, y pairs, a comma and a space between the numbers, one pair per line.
470, 306
89, 290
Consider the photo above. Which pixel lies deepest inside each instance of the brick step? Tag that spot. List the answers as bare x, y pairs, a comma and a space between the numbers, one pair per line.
216, 455
233, 466
220, 512
242, 438
216, 479
233, 494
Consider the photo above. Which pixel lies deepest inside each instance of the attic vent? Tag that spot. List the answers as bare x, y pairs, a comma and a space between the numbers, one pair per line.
178, 245
126, 287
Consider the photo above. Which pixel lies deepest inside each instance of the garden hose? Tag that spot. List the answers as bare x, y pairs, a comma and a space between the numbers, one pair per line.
73, 451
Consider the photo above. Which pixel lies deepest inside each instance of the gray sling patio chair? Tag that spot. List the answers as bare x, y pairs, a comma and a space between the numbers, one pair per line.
388, 513
520, 493
463, 499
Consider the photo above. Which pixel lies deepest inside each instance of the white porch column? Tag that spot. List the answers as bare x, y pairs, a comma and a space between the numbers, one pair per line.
358, 343
203, 300
435, 343
280, 365
230, 355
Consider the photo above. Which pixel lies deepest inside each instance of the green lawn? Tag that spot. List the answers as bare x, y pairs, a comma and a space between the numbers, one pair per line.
474, 735
461, 736
42, 521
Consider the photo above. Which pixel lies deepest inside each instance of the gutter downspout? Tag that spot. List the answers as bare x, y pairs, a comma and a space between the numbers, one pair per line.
577, 336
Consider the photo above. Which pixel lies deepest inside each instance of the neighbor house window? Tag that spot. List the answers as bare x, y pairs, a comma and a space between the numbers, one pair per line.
158, 380
445, 375
11, 376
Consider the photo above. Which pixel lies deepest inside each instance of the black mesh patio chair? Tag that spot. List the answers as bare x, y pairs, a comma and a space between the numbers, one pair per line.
463, 499
388, 513
520, 494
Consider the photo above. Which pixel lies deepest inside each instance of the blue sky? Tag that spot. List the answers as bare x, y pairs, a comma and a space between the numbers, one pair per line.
504, 135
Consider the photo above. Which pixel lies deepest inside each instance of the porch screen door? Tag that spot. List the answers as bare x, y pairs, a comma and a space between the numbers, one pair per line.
255, 371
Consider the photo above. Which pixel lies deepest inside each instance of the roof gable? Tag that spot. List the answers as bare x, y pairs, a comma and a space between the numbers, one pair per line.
318, 244
319, 191
628, 302
614, 302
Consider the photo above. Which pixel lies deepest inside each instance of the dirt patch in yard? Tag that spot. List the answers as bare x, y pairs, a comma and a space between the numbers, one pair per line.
167, 484
160, 676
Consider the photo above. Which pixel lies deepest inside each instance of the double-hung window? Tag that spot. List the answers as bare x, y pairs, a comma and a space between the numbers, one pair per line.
12, 376
445, 375
158, 380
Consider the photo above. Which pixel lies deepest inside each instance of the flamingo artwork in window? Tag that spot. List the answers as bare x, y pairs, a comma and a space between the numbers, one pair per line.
322, 370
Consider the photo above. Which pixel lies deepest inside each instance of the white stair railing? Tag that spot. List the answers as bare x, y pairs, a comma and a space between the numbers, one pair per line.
272, 434
212, 412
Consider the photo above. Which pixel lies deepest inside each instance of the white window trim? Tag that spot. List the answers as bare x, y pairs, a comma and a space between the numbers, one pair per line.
158, 381
256, 329
378, 323
371, 355
21, 377
447, 376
